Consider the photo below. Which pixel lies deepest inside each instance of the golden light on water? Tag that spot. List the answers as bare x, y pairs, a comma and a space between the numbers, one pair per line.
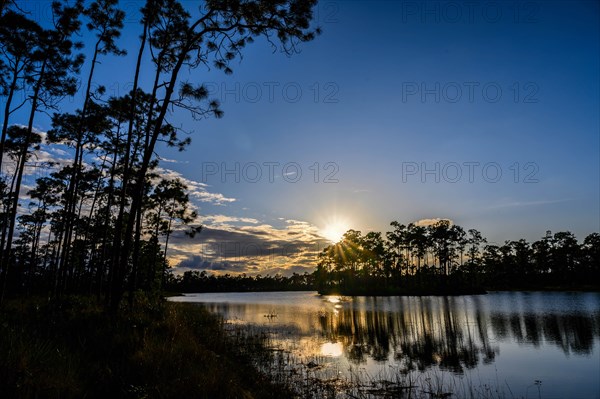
332, 349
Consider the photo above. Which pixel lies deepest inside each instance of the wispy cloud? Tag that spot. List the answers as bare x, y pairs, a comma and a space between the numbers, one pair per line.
431, 221
224, 219
196, 189
515, 204
168, 160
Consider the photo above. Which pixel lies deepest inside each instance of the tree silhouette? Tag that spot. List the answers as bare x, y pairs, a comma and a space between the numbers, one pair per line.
102, 223
51, 79
18, 44
105, 20
363, 264
179, 40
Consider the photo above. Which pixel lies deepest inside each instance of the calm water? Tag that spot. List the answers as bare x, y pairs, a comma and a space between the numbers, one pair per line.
506, 339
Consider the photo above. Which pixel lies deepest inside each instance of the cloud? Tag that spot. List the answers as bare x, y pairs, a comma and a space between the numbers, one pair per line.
168, 160
250, 246
197, 262
214, 198
49, 159
227, 243
431, 221
196, 189
223, 219
514, 204
58, 151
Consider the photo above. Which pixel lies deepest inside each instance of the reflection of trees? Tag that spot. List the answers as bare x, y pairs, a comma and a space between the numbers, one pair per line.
365, 333
428, 332
417, 333
481, 322
573, 333
419, 336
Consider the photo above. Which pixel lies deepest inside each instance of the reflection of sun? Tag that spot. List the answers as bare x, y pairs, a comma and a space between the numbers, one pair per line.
332, 349
334, 230
333, 299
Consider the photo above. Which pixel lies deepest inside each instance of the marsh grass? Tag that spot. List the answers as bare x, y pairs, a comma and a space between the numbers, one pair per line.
73, 349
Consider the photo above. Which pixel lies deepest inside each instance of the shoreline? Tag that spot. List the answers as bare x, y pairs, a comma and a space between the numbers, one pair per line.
485, 291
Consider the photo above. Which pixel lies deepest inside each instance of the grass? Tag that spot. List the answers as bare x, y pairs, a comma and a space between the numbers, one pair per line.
73, 349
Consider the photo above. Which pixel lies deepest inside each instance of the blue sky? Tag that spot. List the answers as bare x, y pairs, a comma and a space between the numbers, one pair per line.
486, 114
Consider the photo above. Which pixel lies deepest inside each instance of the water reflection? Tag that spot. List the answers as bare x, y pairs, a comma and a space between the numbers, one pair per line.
508, 339
332, 349
417, 333
414, 332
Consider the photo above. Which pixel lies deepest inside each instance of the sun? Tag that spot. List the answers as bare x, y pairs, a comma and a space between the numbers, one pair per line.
334, 230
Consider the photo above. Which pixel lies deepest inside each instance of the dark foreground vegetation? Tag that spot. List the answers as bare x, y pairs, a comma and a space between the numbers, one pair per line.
73, 349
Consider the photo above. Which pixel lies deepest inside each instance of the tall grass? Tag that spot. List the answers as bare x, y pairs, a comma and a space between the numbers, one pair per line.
73, 349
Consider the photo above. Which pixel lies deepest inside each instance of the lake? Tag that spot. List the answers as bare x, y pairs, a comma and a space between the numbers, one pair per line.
524, 344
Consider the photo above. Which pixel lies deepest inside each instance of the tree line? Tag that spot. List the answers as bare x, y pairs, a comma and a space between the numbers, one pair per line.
100, 223
444, 258
441, 258
201, 281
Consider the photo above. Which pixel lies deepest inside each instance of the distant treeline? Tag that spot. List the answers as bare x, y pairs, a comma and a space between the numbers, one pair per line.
201, 281
443, 258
